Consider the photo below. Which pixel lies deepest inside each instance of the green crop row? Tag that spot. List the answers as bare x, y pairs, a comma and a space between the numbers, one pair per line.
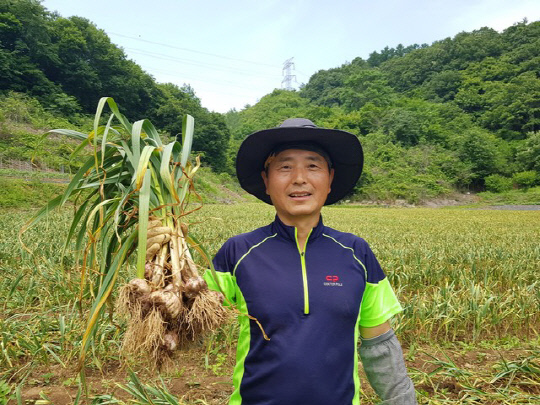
467, 280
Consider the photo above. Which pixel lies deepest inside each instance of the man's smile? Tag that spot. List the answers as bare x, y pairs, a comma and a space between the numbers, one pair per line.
300, 195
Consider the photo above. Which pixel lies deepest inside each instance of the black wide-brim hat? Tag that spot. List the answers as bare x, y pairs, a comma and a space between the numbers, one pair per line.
344, 150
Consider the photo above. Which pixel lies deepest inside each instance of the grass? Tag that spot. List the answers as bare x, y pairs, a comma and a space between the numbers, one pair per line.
520, 197
35, 175
219, 187
466, 278
22, 193
27, 189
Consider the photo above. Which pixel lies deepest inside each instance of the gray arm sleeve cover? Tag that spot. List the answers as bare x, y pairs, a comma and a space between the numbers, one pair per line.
383, 362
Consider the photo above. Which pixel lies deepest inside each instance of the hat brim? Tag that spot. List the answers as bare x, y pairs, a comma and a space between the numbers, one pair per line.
343, 147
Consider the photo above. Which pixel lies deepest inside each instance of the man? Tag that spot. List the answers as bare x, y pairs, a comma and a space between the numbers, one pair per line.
311, 288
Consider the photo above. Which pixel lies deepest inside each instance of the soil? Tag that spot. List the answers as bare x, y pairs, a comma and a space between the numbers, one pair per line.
455, 200
451, 200
186, 378
42, 180
233, 197
191, 382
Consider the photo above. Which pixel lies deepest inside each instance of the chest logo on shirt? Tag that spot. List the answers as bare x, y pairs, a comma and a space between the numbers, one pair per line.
332, 281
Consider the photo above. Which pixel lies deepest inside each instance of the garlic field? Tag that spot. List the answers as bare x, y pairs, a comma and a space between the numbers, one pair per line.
467, 279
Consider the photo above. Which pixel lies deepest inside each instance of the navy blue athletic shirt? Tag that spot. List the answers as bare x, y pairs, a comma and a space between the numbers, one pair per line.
310, 300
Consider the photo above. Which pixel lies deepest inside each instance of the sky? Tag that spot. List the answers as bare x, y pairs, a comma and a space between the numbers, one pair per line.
232, 52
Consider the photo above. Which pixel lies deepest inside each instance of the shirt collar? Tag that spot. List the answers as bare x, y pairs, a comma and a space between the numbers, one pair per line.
287, 231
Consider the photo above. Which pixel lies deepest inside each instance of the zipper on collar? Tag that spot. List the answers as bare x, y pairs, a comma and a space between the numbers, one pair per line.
302, 253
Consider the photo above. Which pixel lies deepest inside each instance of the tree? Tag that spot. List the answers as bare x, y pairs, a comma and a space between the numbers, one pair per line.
271, 111
441, 87
475, 46
366, 86
324, 87
24, 45
509, 108
485, 154
10, 30
376, 58
212, 138
174, 103
528, 153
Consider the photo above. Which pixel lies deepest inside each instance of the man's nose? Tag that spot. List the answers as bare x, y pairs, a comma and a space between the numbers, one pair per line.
299, 176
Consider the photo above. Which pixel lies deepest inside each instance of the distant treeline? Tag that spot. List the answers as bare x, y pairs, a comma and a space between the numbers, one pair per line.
67, 64
461, 113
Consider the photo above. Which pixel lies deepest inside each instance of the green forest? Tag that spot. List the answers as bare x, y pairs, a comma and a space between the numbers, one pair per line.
459, 115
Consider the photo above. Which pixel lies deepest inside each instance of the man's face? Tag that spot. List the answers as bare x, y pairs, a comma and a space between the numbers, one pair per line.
298, 182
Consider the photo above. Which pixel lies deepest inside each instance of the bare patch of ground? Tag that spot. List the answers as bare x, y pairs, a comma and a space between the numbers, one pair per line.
451, 200
233, 197
452, 372
512, 207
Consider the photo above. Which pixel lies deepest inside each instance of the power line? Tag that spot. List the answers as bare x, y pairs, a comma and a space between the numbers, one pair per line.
196, 63
302, 73
223, 83
192, 50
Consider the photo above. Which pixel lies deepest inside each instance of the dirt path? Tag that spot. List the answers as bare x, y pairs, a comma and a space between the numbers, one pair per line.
512, 207
41, 180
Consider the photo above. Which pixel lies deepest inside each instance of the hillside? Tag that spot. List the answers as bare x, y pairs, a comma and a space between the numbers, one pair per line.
68, 64
35, 167
459, 115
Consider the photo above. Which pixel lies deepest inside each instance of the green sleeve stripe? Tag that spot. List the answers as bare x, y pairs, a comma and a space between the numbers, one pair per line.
244, 336
250, 249
226, 281
351, 249
242, 348
379, 304
356, 378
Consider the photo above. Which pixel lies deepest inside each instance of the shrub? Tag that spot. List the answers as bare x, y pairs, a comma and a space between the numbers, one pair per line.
525, 179
20, 109
497, 183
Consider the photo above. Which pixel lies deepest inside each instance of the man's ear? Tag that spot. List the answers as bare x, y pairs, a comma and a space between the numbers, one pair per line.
331, 180
265, 179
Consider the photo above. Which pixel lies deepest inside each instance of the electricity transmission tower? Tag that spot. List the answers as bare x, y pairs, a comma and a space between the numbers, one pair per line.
288, 67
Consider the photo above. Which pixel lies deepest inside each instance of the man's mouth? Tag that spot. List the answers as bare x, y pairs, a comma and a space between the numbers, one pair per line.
299, 194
